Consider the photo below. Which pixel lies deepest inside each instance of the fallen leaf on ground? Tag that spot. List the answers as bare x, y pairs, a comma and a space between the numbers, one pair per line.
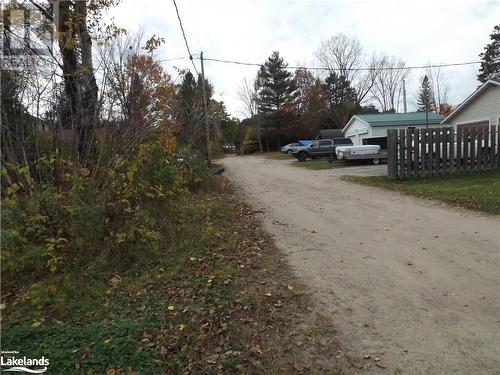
212, 359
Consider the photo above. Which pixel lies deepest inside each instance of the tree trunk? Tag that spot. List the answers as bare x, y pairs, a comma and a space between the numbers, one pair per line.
88, 85
79, 80
259, 135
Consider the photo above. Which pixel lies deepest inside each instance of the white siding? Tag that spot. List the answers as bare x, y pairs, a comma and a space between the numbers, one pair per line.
357, 131
381, 131
483, 108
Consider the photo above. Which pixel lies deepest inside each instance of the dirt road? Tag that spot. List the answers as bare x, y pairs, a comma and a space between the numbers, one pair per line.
412, 282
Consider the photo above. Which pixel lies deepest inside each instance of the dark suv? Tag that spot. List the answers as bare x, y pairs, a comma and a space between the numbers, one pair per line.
322, 148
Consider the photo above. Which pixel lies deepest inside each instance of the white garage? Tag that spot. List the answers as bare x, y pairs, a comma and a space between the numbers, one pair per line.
372, 128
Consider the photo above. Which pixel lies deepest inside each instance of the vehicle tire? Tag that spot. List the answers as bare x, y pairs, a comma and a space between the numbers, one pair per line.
302, 156
376, 161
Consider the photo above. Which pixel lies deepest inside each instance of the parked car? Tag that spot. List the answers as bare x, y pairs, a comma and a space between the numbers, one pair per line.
288, 148
229, 147
323, 148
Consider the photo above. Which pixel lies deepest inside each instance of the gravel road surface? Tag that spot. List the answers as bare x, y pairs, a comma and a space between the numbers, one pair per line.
413, 284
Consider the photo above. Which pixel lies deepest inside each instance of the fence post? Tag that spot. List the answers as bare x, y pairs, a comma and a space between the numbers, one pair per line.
453, 157
416, 152
392, 156
493, 149
473, 149
498, 147
482, 155
430, 151
446, 150
409, 162
438, 147
401, 152
465, 157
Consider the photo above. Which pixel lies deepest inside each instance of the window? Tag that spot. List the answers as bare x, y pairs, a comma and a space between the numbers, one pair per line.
324, 143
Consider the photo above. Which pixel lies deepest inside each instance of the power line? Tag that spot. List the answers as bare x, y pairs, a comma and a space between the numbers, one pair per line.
172, 59
349, 69
185, 39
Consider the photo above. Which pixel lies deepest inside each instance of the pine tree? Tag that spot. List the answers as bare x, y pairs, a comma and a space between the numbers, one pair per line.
425, 100
276, 89
490, 64
338, 89
276, 84
342, 99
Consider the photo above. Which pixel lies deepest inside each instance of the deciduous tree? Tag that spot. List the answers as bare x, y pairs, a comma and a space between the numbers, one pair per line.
388, 84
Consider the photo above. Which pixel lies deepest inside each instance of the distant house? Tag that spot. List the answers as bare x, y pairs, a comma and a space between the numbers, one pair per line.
372, 128
480, 110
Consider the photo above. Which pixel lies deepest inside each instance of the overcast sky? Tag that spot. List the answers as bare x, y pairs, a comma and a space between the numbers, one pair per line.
417, 31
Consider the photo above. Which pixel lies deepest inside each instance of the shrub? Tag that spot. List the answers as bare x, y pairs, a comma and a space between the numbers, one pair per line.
59, 218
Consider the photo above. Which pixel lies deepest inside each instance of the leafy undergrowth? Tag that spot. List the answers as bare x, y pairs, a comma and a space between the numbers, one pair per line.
478, 191
218, 299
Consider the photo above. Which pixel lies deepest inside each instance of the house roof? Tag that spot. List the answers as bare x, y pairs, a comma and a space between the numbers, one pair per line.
398, 118
471, 97
395, 119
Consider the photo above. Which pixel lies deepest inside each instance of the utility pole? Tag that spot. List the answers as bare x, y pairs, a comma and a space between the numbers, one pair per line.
205, 109
404, 97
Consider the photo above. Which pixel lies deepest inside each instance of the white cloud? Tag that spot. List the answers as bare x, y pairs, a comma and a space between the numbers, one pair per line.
418, 32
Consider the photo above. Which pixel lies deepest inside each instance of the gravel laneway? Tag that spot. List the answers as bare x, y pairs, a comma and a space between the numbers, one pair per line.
414, 282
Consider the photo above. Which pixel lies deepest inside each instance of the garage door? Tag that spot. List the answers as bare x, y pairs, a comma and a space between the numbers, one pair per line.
483, 125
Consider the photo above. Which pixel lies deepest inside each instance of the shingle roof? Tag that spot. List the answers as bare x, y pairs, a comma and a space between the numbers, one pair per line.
413, 118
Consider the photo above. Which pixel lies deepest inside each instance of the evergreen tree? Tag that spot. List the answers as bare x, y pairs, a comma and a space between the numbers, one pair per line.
276, 90
338, 90
490, 64
425, 100
342, 100
189, 109
276, 84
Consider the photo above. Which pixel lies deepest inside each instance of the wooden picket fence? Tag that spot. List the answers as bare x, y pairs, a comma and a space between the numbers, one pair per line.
440, 151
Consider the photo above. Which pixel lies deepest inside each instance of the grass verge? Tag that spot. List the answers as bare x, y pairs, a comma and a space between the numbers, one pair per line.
479, 191
218, 299
279, 156
316, 165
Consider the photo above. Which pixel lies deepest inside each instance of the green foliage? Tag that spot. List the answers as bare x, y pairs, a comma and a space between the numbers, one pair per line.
129, 325
490, 58
250, 143
276, 85
342, 99
277, 91
425, 100
59, 218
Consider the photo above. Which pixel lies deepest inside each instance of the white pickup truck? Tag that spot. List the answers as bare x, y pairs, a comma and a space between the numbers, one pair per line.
365, 152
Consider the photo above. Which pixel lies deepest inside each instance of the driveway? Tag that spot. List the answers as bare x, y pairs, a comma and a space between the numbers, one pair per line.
414, 283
